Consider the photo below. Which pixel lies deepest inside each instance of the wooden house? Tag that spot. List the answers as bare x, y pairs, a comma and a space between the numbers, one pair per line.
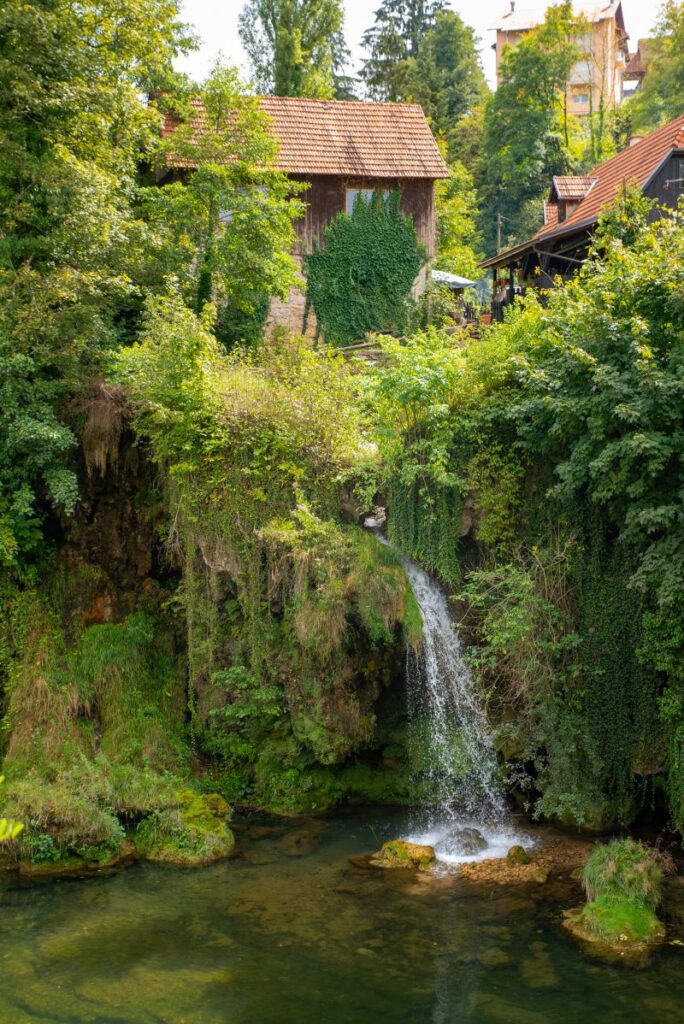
655, 164
339, 148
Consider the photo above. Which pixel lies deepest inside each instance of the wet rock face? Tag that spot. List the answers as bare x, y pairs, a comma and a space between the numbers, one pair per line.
399, 853
466, 841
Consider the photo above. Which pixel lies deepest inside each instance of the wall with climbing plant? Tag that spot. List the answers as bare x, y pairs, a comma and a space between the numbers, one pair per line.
361, 279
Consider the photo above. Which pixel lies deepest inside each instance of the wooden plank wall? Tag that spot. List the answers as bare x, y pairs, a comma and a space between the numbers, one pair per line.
325, 197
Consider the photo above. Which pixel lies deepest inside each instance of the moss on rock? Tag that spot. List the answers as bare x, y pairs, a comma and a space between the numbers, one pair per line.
399, 853
191, 834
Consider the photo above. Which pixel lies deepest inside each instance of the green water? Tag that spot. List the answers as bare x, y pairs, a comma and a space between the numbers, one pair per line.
274, 939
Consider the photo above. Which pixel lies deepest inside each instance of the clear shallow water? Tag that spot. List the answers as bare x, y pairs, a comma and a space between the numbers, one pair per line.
271, 939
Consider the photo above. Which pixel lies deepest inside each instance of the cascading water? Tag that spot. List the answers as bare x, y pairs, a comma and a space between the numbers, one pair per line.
463, 814
446, 714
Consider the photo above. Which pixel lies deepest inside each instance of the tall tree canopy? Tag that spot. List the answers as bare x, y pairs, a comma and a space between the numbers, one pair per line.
446, 76
527, 130
394, 39
225, 233
73, 129
661, 97
295, 47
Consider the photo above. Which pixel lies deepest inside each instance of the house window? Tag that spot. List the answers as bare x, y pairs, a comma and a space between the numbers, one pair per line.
580, 97
365, 193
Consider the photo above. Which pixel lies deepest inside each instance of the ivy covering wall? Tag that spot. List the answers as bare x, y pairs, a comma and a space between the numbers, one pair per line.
361, 279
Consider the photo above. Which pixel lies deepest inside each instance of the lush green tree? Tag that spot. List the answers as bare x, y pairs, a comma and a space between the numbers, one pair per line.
73, 127
528, 134
392, 41
225, 232
295, 47
458, 237
446, 76
661, 97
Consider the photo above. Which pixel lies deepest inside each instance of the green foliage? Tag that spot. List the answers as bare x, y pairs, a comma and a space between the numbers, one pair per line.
192, 832
527, 131
544, 459
393, 41
295, 47
446, 76
225, 233
9, 829
618, 921
458, 238
361, 280
622, 880
74, 128
624, 869
660, 98
282, 601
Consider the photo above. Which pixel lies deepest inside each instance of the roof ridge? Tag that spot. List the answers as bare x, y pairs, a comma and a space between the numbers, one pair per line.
338, 103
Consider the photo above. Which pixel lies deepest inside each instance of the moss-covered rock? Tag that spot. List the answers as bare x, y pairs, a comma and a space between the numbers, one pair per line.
623, 881
518, 855
616, 923
399, 853
191, 834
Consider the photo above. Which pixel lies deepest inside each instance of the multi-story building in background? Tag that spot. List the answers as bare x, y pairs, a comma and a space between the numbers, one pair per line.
596, 81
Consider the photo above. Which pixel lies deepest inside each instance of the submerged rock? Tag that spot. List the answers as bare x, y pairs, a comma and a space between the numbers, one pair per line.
399, 853
300, 843
559, 859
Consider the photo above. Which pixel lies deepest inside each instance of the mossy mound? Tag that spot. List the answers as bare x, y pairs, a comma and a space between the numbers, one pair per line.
86, 862
615, 922
623, 881
398, 853
191, 834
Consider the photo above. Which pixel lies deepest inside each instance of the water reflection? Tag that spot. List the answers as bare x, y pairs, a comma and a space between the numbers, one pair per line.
273, 939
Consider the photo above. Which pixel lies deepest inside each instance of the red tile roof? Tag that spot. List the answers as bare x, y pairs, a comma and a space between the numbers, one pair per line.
572, 186
340, 137
635, 165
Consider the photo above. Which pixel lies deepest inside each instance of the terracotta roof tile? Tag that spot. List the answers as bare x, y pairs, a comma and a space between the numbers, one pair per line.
573, 186
636, 164
368, 140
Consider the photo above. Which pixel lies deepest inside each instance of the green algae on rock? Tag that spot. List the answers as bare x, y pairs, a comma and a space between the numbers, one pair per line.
192, 834
399, 853
518, 855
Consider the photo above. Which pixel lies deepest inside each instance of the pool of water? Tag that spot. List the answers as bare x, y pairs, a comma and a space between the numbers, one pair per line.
270, 938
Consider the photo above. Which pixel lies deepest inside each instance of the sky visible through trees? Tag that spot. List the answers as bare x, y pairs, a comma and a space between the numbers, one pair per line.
216, 24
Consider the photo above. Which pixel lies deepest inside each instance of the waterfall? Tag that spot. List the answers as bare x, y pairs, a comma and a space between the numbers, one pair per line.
461, 810
447, 717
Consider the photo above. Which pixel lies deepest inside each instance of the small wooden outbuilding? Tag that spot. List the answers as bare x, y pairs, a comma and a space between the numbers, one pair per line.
339, 148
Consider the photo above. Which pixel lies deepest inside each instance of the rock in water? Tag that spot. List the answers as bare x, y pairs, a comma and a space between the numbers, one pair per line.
399, 853
466, 841
300, 843
518, 855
